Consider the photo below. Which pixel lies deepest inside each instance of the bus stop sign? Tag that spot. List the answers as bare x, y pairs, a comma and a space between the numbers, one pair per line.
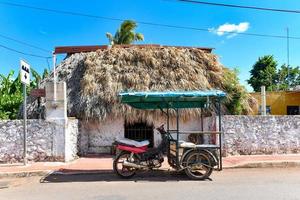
25, 72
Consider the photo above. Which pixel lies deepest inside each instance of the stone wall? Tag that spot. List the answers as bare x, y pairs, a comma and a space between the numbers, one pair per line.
243, 135
54, 140
246, 135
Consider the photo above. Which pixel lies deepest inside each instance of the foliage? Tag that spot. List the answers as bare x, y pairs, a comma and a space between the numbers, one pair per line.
11, 93
237, 94
287, 77
10, 96
125, 34
263, 73
45, 73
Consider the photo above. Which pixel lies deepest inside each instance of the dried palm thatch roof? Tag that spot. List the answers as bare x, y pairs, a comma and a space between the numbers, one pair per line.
94, 79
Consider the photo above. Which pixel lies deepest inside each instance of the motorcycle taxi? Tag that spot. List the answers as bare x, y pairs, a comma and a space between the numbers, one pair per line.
197, 160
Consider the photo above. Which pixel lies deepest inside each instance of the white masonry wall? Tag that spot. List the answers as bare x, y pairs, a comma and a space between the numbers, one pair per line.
46, 141
242, 135
247, 135
97, 137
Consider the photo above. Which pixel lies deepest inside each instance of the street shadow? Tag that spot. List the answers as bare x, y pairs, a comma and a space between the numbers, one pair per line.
109, 176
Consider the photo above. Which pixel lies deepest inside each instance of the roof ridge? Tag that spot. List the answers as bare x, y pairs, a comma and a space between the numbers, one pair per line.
90, 48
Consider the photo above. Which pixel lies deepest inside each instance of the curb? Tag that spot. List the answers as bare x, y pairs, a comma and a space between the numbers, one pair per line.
50, 172
264, 164
87, 172
4, 185
25, 174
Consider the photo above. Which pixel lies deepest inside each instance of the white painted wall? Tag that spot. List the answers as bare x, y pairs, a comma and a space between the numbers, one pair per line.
100, 135
191, 125
97, 137
47, 140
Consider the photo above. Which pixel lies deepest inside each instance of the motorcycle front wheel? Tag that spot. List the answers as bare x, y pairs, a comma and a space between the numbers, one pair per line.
120, 169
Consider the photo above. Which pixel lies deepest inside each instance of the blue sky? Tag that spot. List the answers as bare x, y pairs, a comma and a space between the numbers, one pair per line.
48, 30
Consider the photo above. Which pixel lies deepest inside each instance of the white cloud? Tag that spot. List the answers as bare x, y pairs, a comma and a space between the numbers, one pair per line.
231, 30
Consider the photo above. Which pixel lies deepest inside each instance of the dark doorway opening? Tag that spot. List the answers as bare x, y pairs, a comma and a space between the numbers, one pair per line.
293, 110
139, 131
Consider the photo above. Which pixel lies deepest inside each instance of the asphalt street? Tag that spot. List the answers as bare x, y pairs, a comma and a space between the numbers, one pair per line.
254, 184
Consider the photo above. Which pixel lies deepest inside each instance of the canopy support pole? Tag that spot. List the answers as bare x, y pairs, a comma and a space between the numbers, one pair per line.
162, 110
220, 135
201, 115
168, 121
177, 138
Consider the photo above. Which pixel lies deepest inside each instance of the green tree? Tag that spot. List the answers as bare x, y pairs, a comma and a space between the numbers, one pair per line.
125, 34
236, 93
287, 77
45, 73
262, 73
11, 93
10, 96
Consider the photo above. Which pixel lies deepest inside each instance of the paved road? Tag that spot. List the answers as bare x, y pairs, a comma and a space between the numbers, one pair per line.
262, 184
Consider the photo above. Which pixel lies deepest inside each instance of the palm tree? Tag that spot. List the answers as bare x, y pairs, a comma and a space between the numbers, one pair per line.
125, 34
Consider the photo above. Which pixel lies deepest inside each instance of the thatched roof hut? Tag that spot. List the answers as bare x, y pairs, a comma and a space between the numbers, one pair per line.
95, 78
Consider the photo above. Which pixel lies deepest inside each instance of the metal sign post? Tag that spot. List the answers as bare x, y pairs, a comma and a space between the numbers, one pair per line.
25, 79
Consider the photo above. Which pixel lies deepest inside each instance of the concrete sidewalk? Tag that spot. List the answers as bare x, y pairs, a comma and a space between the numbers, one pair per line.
103, 164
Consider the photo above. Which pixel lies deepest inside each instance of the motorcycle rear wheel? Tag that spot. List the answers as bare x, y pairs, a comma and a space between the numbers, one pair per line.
119, 169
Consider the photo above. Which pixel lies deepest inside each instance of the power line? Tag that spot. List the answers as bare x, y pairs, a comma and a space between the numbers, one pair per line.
241, 6
60, 11
21, 52
141, 22
24, 43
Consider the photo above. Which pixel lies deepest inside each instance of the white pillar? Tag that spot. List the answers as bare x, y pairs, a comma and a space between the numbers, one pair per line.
59, 111
64, 138
54, 77
263, 100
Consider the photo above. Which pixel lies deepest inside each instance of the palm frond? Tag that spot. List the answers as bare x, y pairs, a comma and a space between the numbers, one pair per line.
125, 34
139, 37
110, 38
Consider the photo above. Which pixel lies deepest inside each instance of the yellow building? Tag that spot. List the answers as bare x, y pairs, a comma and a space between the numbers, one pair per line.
279, 103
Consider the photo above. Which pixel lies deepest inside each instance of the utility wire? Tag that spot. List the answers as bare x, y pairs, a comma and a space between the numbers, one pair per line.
21, 52
241, 6
24, 43
140, 22
59, 11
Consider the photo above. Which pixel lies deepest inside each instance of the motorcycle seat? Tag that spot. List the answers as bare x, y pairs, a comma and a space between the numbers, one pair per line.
130, 142
185, 144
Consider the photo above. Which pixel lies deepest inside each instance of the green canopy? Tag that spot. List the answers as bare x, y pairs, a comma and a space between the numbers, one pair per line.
170, 99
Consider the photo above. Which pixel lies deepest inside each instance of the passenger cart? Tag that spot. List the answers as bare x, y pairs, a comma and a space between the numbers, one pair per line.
197, 160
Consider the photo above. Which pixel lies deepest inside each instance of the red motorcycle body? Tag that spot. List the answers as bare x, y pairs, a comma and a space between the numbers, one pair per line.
132, 149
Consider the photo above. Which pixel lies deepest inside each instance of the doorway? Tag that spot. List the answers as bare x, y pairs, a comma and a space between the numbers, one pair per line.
139, 131
293, 110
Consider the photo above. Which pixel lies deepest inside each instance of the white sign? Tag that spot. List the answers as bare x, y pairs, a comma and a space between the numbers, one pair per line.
25, 72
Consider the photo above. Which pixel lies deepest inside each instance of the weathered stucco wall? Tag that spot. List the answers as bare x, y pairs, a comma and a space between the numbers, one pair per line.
246, 135
46, 140
97, 137
243, 135
190, 125
71, 140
